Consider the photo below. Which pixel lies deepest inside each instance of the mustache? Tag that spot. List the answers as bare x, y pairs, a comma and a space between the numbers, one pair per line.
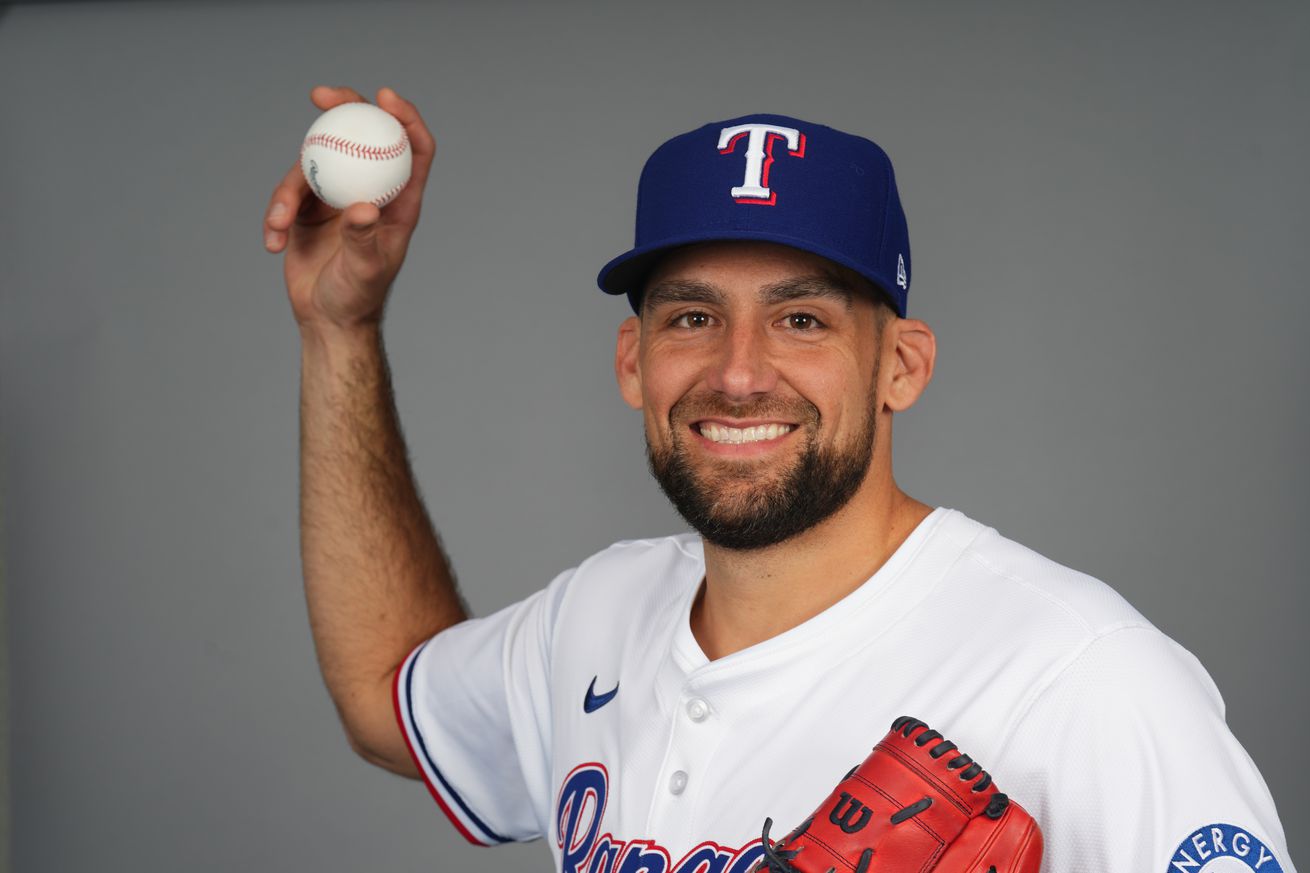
691, 408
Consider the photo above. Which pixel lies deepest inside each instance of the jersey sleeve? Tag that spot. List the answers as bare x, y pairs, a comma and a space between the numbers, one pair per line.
474, 706
1127, 763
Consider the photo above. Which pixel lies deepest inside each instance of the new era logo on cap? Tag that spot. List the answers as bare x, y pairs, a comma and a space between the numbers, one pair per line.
831, 193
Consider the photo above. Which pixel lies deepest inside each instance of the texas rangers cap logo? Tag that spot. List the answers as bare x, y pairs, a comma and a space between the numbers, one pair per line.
760, 140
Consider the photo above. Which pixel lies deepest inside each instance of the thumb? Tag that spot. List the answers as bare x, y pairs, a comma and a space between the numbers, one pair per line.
359, 237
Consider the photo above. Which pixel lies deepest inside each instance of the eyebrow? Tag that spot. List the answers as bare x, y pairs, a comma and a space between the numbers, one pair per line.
799, 288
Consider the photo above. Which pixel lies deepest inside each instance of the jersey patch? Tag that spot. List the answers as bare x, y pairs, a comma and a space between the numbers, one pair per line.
1222, 848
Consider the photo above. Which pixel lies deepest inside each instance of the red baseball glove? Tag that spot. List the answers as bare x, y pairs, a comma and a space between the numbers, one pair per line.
916, 804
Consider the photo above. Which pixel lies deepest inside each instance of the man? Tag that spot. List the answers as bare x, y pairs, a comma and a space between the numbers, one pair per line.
649, 707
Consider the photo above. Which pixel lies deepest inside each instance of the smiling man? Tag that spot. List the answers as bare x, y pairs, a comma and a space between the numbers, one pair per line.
757, 367
650, 706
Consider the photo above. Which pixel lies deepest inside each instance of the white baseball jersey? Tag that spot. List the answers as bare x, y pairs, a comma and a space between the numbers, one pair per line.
588, 715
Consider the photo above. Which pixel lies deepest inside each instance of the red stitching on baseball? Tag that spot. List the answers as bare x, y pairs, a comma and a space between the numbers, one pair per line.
359, 150
386, 198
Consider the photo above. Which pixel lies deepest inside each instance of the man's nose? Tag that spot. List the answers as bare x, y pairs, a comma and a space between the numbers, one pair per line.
743, 365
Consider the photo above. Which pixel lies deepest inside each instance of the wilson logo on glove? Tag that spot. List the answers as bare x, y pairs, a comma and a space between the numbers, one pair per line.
854, 810
915, 804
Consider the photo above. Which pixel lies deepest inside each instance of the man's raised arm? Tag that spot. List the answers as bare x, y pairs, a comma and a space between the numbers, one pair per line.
377, 582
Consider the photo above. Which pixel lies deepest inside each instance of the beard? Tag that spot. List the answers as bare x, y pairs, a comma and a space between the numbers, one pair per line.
741, 507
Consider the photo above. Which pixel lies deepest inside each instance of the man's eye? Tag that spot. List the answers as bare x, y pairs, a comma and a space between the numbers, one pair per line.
692, 320
803, 321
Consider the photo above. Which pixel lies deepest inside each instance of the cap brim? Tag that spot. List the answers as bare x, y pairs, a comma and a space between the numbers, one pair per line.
627, 273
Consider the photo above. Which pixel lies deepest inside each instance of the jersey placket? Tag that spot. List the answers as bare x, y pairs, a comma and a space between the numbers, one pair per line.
695, 732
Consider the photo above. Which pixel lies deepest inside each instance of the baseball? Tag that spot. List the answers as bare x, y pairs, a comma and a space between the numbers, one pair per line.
356, 153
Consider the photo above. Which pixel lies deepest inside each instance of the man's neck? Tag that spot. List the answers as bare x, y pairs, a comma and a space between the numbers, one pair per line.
749, 597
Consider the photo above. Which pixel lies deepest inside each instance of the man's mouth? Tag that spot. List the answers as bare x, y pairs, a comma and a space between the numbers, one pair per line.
718, 432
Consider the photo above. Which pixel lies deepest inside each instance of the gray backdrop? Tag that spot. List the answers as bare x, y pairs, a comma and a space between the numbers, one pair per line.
1108, 208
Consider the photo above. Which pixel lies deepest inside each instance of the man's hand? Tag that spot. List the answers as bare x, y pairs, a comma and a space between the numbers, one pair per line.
339, 265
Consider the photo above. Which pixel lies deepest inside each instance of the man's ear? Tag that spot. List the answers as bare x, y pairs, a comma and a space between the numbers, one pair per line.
627, 367
914, 353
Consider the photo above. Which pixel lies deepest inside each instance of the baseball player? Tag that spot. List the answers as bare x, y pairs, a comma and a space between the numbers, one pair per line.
649, 707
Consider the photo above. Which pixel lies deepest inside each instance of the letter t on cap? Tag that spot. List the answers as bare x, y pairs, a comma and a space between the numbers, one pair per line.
759, 157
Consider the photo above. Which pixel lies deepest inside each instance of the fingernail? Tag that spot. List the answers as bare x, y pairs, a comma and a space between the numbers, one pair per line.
270, 240
278, 210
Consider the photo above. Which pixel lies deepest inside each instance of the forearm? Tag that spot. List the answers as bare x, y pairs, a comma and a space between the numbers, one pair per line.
376, 579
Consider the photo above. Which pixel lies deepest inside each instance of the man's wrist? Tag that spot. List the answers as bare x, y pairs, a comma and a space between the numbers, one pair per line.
330, 337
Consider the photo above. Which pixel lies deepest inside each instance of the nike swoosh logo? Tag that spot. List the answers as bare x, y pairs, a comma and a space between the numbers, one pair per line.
594, 701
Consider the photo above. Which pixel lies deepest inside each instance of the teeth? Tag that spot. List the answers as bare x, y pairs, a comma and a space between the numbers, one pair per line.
720, 434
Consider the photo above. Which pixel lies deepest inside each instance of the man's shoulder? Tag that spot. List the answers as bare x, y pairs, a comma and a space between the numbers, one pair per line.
628, 566
1045, 622
648, 553
1015, 576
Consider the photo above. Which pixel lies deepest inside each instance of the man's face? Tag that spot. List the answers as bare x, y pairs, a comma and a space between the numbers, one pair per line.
758, 373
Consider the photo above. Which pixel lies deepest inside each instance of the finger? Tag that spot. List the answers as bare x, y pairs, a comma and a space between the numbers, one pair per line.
420, 138
405, 208
359, 233
327, 96
283, 207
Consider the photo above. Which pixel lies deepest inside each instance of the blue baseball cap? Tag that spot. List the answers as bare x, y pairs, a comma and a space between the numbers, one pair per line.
775, 179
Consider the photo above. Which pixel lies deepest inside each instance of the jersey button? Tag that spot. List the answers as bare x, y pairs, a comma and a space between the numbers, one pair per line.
698, 710
677, 782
